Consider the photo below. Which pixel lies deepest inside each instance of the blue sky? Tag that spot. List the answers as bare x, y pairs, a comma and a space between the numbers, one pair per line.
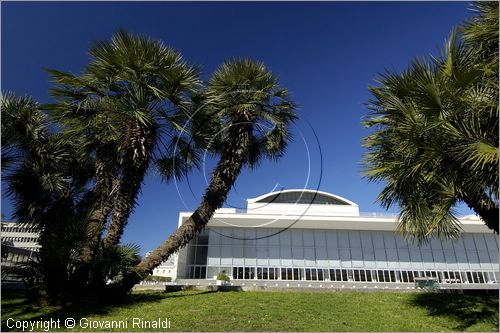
325, 53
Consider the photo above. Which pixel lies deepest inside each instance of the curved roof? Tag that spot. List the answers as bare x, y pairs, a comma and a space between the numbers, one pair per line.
302, 196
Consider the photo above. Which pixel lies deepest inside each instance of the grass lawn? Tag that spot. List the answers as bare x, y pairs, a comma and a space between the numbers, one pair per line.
281, 311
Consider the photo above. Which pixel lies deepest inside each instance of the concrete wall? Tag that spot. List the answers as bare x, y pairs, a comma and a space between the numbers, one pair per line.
298, 209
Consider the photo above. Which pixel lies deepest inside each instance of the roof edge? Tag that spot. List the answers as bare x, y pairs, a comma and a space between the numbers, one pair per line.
348, 202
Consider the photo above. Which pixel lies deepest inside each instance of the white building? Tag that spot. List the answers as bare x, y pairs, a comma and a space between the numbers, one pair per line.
167, 268
318, 236
19, 245
20, 235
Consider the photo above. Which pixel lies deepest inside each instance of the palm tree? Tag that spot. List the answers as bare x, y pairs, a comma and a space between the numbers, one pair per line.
126, 104
83, 111
435, 142
39, 161
47, 180
254, 115
481, 33
22, 124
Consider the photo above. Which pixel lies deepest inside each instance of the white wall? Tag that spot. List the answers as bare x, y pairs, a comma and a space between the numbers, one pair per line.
301, 209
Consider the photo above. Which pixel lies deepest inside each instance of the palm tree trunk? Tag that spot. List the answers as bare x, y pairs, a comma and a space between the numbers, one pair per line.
103, 197
486, 209
54, 258
233, 157
135, 163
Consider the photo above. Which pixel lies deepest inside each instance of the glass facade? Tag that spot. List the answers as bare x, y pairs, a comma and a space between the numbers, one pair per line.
340, 255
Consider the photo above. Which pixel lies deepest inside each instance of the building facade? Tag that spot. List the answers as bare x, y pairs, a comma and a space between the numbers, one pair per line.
318, 236
167, 268
19, 245
20, 235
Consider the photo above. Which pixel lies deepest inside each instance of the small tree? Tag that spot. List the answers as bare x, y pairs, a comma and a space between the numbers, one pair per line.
222, 276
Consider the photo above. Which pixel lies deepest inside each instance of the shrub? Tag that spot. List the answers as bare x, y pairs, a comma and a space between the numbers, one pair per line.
223, 276
154, 278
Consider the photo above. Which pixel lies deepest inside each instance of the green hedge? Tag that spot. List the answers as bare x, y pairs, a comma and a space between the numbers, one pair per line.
154, 278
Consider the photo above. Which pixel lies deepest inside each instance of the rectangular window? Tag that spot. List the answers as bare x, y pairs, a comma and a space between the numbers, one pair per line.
249, 273
191, 272
362, 276
296, 275
203, 273
201, 255
392, 276
314, 274
344, 275
475, 277
326, 273
380, 276
289, 272
338, 275
356, 275
320, 275
308, 274
368, 276
272, 276
283, 273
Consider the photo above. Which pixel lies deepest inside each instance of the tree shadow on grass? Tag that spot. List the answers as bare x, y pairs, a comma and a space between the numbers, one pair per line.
13, 308
176, 294
467, 309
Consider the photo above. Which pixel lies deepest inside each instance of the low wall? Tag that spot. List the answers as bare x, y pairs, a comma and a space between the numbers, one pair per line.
322, 286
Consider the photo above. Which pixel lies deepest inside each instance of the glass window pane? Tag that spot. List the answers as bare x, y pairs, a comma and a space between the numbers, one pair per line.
320, 275
271, 273
203, 272
332, 275
344, 275
338, 275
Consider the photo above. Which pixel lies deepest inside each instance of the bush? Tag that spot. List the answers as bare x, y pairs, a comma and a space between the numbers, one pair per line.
223, 276
154, 278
